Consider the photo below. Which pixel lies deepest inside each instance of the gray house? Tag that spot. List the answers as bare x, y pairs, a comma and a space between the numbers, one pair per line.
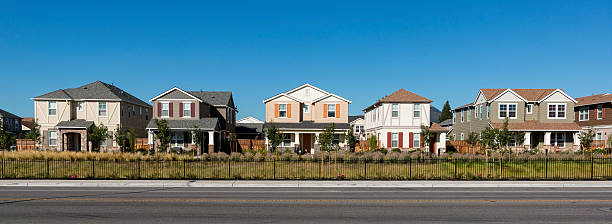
10, 122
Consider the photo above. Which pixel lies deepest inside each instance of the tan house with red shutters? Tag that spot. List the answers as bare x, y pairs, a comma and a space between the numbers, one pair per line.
594, 112
211, 112
303, 113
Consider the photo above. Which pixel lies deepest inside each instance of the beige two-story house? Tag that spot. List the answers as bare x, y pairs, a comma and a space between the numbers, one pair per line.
67, 115
303, 113
545, 116
184, 111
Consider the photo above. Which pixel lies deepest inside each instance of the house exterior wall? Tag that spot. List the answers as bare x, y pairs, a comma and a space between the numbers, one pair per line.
318, 110
176, 106
295, 111
11, 124
593, 121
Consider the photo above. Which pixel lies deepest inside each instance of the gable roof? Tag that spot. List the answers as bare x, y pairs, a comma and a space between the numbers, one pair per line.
401, 96
594, 99
354, 118
249, 120
93, 91
530, 95
4, 113
326, 94
175, 89
215, 98
464, 106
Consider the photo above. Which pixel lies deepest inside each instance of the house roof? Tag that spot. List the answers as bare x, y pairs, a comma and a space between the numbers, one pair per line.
464, 106
435, 127
215, 98
527, 94
308, 125
286, 94
78, 124
93, 91
538, 126
447, 122
401, 96
249, 120
249, 128
594, 99
353, 118
206, 124
28, 122
4, 113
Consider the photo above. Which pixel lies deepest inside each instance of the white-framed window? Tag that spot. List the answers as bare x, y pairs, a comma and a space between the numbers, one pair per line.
462, 114
598, 136
507, 110
165, 109
475, 112
331, 110
557, 139
469, 112
286, 141
178, 139
101, 108
282, 110
306, 108
462, 136
556, 110
79, 106
599, 112
52, 138
416, 140
488, 111
529, 108
417, 110
187, 109
394, 140
395, 110
480, 113
454, 117
52, 108
583, 114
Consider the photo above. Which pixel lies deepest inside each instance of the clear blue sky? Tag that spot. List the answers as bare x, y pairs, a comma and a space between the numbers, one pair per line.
362, 51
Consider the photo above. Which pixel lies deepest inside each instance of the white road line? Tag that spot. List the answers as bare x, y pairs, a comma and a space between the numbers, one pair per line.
282, 191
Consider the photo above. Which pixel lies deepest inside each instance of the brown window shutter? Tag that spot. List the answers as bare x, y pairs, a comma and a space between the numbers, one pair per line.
400, 138
388, 139
159, 109
324, 110
170, 109
192, 109
180, 109
288, 110
276, 110
337, 110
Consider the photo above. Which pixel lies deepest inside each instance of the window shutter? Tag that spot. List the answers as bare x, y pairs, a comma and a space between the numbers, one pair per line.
411, 139
401, 139
388, 139
338, 110
180, 109
159, 108
275, 110
170, 108
192, 109
288, 110
324, 110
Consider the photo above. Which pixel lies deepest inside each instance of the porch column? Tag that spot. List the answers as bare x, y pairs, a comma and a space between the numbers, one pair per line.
527, 141
547, 138
442, 144
297, 139
576, 138
267, 144
316, 143
211, 142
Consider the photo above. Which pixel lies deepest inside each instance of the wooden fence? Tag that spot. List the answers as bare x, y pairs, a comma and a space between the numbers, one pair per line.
254, 144
599, 144
142, 143
362, 146
26, 144
462, 147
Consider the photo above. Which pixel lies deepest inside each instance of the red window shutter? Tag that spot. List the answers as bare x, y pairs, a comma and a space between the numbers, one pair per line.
338, 110
410, 139
170, 109
401, 139
159, 109
192, 109
180, 109
388, 139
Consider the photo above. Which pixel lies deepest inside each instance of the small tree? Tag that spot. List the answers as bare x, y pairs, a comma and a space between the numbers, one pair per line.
6, 139
427, 136
274, 137
120, 139
472, 140
373, 142
586, 140
489, 141
326, 138
198, 137
97, 134
163, 134
131, 138
34, 133
446, 112
351, 139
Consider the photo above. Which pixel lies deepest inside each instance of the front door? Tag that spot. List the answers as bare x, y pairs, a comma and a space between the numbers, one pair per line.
307, 142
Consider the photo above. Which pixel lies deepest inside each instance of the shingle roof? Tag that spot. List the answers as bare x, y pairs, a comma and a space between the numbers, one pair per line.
401, 96
308, 125
528, 94
94, 91
594, 99
464, 106
447, 122
353, 118
206, 124
435, 127
78, 123
214, 98
4, 113
539, 126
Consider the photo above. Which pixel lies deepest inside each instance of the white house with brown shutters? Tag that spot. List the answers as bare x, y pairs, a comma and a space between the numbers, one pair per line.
396, 121
303, 113
185, 111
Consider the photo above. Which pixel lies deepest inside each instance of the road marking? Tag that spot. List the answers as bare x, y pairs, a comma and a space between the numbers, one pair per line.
308, 191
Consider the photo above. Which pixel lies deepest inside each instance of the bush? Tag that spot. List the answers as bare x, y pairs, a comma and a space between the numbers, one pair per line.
396, 150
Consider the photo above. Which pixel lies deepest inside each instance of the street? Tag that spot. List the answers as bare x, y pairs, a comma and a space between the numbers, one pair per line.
304, 205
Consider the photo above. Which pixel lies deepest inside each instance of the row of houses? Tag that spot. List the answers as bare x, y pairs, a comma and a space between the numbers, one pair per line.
547, 117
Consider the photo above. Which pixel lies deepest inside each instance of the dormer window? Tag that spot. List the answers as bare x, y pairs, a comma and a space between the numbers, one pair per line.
529, 108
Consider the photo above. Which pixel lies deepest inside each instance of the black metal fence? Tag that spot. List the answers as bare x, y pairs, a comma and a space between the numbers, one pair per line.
413, 169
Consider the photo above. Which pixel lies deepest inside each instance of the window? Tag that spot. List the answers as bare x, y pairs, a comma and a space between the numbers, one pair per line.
286, 141
476, 113
462, 136
462, 112
104, 142
331, 110
556, 111
306, 108
133, 110
395, 110
127, 109
507, 110
282, 110
480, 113
599, 112
488, 111
454, 117
394, 140
178, 139
140, 113
52, 108
186, 109
336, 140
165, 109
529, 108
598, 136
79, 106
416, 140
52, 138
147, 114
417, 110
469, 111
101, 108
557, 139
583, 114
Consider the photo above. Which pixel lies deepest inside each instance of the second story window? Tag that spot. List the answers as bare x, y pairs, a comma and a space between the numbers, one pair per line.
101, 108
187, 110
507, 110
600, 112
529, 108
454, 117
79, 106
417, 110
462, 112
583, 114
480, 112
282, 110
165, 109
141, 113
331, 110
488, 111
306, 108
52, 108
469, 112
395, 110
147, 114
556, 111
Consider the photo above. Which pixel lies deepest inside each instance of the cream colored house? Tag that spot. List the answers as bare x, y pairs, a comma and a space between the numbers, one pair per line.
303, 113
65, 116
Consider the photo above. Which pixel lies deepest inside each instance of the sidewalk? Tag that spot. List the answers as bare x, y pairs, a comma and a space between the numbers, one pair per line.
303, 184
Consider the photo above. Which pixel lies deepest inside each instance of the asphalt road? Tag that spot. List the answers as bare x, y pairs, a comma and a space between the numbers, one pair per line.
304, 205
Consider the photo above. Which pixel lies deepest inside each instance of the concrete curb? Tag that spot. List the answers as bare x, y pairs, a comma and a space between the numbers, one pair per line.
304, 184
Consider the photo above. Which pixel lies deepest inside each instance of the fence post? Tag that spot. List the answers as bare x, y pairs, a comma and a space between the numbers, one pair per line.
184, 169
592, 166
274, 168
93, 168
546, 166
47, 169
365, 168
455, 167
320, 168
138, 164
229, 168
410, 168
